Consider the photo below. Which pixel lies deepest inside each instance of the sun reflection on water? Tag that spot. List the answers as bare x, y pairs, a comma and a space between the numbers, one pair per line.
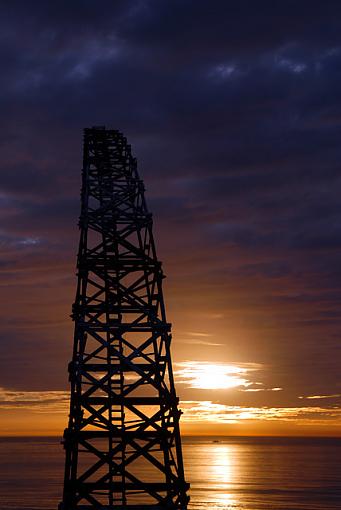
223, 500
221, 468
221, 473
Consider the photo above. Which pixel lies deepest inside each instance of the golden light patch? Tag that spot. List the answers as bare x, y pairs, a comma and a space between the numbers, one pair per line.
211, 376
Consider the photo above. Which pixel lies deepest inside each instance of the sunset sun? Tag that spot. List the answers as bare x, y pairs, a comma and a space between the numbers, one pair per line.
211, 376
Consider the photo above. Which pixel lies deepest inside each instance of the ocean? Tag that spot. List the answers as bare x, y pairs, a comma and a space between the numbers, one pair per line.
225, 473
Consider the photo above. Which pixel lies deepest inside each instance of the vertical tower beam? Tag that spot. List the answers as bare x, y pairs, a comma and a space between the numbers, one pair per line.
122, 443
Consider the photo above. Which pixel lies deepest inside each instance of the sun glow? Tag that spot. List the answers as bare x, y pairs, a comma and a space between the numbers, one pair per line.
211, 376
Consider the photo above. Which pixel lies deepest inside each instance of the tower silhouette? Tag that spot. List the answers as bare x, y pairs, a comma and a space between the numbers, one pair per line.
122, 443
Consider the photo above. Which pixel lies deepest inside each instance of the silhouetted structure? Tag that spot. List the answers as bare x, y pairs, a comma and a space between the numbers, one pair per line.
122, 443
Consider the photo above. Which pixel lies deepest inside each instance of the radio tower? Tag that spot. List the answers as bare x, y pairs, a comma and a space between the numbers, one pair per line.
123, 448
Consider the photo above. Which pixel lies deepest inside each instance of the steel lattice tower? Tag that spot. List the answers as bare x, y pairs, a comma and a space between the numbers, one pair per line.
122, 443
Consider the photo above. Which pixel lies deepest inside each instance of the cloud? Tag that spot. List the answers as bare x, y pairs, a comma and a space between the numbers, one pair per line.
8, 242
317, 397
197, 338
193, 341
263, 389
35, 401
213, 412
197, 333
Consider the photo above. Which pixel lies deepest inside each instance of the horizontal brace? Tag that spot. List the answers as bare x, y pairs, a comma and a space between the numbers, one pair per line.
122, 263
120, 367
125, 507
85, 487
126, 327
126, 434
115, 309
118, 399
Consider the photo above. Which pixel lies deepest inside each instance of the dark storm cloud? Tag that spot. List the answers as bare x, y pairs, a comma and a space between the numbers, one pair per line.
234, 112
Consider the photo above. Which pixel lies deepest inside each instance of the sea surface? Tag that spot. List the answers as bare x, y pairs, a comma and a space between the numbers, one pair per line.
225, 473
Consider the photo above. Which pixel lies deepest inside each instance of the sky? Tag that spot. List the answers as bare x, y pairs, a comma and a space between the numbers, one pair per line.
233, 110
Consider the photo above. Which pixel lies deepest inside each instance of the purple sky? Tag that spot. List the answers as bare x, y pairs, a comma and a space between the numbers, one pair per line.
233, 110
